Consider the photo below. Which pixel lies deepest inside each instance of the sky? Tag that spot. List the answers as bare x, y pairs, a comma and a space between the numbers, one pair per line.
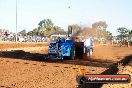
116, 13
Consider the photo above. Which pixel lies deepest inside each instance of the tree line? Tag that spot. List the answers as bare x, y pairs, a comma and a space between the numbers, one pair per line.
98, 30
125, 35
45, 28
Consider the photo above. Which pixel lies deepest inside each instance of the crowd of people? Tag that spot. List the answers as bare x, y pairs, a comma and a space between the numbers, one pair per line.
22, 38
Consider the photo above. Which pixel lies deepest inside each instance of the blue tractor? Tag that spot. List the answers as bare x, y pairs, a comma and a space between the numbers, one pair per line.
69, 48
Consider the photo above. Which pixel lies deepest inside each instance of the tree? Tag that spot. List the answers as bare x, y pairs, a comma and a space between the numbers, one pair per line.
75, 28
108, 36
130, 33
23, 32
30, 33
58, 29
35, 31
129, 37
101, 25
46, 24
100, 29
123, 32
41, 24
46, 27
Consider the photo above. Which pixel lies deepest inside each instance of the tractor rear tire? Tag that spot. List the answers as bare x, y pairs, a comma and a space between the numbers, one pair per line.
72, 53
79, 50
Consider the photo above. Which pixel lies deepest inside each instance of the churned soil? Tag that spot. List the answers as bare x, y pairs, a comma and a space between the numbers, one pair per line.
111, 53
21, 73
31, 74
122, 70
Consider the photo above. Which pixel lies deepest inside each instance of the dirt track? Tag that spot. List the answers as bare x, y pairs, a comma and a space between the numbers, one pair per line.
122, 70
18, 73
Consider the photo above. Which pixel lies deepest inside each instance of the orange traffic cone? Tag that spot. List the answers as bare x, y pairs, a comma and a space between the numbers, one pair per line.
81, 71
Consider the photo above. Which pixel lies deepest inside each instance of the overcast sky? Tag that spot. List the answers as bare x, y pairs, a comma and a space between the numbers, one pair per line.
116, 13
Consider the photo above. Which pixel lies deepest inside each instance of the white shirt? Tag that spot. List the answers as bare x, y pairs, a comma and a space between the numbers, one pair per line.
87, 42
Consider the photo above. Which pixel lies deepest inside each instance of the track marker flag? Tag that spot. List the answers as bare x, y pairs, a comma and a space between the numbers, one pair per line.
81, 71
